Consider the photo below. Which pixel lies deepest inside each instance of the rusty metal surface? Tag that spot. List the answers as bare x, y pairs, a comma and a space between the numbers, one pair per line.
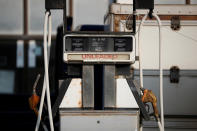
73, 97
170, 9
121, 12
123, 17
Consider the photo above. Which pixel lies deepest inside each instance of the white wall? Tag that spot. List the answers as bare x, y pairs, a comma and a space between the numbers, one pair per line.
179, 47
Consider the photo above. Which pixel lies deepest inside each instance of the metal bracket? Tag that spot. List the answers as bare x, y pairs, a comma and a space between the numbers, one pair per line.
138, 99
129, 22
54, 4
174, 74
175, 23
144, 4
62, 91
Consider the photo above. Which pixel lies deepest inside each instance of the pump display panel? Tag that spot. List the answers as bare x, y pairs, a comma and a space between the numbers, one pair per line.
99, 48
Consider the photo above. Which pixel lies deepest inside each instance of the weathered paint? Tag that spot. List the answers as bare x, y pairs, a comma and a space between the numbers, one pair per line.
72, 98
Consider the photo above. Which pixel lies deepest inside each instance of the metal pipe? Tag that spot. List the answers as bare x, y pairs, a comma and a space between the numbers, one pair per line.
64, 17
25, 17
71, 8
188, 2
25, 32
134, 16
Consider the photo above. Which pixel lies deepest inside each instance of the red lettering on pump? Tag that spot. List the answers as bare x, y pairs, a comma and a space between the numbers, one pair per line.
115, 56
99, 56
83, 56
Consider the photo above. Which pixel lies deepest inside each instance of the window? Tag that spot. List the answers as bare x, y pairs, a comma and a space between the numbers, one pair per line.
11, 17
36, 17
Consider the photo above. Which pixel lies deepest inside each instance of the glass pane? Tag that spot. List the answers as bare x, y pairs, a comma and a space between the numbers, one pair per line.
89, 11
11, 17
6, 82
193, 1
36, 17
169, 1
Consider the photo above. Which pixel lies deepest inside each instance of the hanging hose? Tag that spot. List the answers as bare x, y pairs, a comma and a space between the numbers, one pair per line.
140, 58
47, 45
139, 51
160, 124
160, 70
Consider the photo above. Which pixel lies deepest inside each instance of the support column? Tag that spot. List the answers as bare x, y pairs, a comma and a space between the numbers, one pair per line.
109, 85
88, 86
